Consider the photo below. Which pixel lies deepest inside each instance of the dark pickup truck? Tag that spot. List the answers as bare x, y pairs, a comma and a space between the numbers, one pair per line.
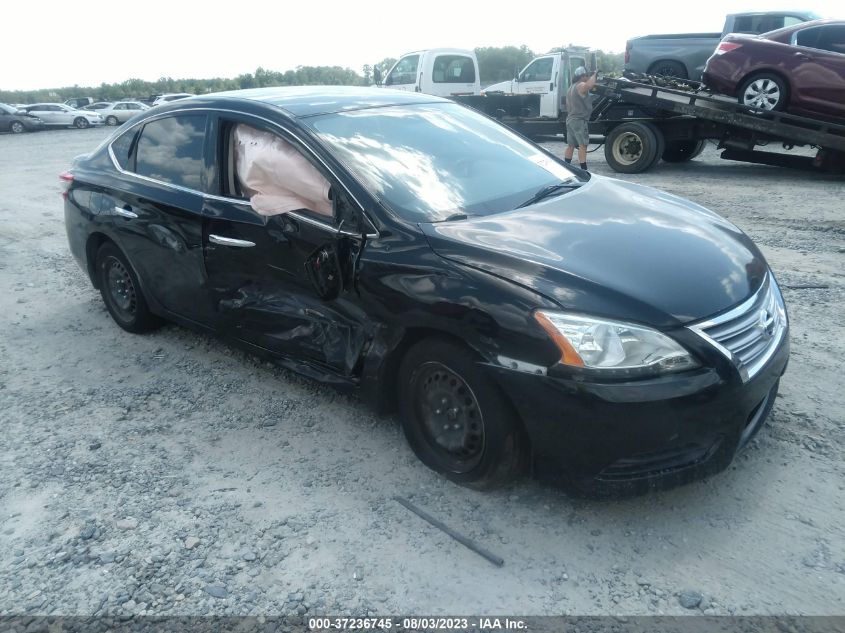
684, 55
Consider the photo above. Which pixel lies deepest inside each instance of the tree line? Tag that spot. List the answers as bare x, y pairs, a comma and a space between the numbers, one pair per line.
495, 64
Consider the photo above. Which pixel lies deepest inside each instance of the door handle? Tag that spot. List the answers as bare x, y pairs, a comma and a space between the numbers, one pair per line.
229, 241
803, 56
126, 212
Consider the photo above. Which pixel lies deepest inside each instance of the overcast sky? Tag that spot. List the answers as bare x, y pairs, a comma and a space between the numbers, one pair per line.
56, 43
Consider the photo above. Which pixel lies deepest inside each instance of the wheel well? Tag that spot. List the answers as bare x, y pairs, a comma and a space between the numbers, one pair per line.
388, 387
763, 71
95, 241
655, 64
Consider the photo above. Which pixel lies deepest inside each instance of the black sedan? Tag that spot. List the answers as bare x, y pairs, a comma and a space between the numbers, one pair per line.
16, 121
518, 313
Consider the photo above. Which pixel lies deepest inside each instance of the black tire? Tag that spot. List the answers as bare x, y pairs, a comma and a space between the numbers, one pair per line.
440, 383
764, 91
122, 293
631, 148
81, 122
668, 68
659, 144
17, 127
111, 120
682, 151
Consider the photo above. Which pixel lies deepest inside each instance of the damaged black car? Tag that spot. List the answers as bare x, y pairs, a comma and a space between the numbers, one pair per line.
518, 314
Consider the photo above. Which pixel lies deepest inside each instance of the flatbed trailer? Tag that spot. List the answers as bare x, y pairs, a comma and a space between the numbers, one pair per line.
643, 123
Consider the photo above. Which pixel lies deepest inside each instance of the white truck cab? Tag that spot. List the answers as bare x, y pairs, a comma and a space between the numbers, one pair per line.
549, 76
443, 72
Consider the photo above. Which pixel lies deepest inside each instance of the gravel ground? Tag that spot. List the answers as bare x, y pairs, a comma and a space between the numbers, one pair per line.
174, 474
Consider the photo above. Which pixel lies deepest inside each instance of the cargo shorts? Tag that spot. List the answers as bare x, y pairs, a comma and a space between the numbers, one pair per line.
577, 132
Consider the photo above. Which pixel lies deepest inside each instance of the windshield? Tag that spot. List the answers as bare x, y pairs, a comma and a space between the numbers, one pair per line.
430, 162
8, 109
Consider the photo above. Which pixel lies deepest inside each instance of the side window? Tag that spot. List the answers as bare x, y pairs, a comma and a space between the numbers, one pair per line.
791, 20
272, 173
832, 38
122, 147
808, 37
758, 23
404, 72
538, 70
453, 69
171, 150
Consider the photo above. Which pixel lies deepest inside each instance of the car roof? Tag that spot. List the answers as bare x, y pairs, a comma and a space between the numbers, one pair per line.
304, 101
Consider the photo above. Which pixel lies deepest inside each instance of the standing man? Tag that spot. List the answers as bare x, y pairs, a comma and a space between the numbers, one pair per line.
579, 107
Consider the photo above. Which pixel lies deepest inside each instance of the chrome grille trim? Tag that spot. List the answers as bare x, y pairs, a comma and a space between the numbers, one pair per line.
749, 334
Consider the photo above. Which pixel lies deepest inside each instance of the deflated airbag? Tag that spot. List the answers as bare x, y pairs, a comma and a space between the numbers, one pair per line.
275, 176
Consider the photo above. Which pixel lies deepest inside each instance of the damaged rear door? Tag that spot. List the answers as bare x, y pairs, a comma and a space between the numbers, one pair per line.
282, 281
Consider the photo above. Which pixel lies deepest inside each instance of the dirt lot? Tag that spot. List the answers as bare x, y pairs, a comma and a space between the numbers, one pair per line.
173, 474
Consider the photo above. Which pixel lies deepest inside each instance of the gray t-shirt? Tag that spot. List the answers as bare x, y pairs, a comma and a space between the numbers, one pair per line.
578, 107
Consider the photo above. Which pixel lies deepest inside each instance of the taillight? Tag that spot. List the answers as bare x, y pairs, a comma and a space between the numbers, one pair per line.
726, 47
67, 181
627, 52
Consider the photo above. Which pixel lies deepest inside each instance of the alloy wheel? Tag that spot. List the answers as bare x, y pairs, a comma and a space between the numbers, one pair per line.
762, 93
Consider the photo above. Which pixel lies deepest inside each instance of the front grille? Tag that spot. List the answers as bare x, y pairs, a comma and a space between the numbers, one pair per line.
750, 333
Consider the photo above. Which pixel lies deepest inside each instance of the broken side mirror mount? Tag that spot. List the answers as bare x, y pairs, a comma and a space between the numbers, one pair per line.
324, 272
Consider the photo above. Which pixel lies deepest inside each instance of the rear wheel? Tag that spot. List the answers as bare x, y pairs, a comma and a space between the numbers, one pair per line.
682, 151
631, 148
121, 291
668, 68
455, 419
17, 127
111, 120
765, 91
81, 122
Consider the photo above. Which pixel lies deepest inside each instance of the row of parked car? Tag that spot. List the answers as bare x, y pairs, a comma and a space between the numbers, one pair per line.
20, 118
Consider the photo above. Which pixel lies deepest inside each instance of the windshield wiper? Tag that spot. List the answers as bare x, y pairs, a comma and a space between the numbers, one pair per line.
549, 190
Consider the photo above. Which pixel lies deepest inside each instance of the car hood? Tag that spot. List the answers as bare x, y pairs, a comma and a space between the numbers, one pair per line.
613, 249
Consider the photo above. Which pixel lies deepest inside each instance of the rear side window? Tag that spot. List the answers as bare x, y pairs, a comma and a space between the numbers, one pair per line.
171, 150
832, 38
808, 37
758, 23
453, 69
122, 148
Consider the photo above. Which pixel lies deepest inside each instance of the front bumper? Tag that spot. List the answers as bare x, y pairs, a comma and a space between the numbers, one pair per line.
627, 438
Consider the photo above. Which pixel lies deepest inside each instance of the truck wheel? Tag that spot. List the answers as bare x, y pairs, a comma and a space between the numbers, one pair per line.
631, 148
668, 68
682, 151
765, 91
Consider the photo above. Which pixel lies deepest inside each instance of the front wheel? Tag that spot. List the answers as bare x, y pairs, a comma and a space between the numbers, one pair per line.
121, 291
81, 122
111, 120
17, 127
631, 148
455, 419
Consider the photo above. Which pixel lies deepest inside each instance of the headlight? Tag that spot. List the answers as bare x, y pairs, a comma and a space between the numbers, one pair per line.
613, 347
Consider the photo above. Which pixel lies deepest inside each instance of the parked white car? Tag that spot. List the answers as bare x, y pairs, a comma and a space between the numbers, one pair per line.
58, 114
173, 96
122, 111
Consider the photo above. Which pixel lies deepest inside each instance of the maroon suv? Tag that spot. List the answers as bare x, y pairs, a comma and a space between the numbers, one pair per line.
799, 68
